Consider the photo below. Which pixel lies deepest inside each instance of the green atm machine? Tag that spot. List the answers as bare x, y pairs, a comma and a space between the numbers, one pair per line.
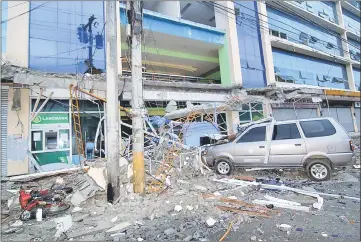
50, 140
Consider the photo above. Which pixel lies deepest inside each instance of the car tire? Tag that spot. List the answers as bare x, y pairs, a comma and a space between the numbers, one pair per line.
224, 166
319, 170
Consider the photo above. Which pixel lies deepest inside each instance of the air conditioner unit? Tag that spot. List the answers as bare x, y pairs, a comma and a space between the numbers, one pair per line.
357, 104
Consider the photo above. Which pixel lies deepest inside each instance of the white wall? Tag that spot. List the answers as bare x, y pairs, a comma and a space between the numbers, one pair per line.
17, 43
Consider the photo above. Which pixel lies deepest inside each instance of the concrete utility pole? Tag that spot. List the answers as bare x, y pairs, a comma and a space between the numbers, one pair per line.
112, 114
137, 96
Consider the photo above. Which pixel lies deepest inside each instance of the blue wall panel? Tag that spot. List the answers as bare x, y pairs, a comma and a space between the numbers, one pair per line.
322, 9
307, 70
294, 26
4, 16
356, 76
354, 47
54, 44
351, 21
250, 45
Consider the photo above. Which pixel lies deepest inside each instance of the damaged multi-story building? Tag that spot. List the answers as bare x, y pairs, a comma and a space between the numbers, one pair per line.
192, 51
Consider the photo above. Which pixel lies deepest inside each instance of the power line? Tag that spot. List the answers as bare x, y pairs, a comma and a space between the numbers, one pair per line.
65, 52
37, 7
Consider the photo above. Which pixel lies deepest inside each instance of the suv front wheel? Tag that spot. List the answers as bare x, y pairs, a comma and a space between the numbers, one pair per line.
319, 170
224, 166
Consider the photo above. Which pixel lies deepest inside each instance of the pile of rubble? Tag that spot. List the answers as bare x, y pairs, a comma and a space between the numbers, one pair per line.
194, 207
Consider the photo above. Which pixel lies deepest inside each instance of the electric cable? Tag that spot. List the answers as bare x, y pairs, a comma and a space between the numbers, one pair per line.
37, 7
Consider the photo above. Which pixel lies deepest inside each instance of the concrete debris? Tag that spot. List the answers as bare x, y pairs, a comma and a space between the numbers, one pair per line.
17, 223
10, 202
281, 205
12, 230
76, 209
253, 238
99, 176
119, 227
284, 227
356, 166
63, 224
140, 239
59, 180
210, 222
201, 188
190, 208
260, 231
324, 234
118, 234
277, 200
178, 208
114, 219
169, 231
232, 197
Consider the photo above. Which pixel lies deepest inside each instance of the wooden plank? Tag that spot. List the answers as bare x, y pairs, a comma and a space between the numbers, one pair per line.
236, 210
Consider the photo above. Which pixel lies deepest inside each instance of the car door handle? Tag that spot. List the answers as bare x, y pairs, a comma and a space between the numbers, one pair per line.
297, 144
261, 146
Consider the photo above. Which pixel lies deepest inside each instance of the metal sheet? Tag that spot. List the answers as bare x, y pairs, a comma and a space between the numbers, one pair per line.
281, 114
4, 125
344, 117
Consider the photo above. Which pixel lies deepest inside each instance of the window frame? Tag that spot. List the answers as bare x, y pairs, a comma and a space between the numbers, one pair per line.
249, 129
290, 123
305, 135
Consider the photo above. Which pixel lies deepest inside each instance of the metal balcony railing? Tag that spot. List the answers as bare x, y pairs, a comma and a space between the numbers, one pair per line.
174, 78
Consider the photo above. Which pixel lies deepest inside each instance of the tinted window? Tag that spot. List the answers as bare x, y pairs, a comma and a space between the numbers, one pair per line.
286, 131
317, 128
254, 135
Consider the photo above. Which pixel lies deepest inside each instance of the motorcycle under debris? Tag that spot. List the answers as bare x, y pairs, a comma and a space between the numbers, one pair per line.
51, 202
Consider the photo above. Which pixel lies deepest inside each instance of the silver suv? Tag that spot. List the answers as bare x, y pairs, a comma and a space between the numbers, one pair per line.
318, 145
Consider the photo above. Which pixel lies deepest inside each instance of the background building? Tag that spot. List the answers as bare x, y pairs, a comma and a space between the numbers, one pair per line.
296, 44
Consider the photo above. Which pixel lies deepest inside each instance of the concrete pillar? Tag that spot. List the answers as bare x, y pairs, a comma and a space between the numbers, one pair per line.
119, 42
169, 8
17, 133
267, 110
229, 59
266, 43
17, 42
345, 47
354, 120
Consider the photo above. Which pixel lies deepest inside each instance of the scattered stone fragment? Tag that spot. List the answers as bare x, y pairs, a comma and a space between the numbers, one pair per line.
201, 188
260, 230
217, 194
76, 209
284, 227
253, 238
140, 239
59, 180
210, 222
119, 227
17, 223
13, 230
178, 208
114, 219
188, 238
232, 197
190, 208
324, 234
63, 224
169, 231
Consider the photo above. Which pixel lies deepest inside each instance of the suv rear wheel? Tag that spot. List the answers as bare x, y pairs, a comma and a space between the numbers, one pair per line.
224, 166
319, 170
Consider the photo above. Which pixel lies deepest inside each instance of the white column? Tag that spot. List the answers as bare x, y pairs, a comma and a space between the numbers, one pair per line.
266, 43
17, 42
354, 120
169, 8
230, 61
345, 47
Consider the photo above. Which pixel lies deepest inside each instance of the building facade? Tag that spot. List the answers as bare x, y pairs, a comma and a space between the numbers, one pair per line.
300, 44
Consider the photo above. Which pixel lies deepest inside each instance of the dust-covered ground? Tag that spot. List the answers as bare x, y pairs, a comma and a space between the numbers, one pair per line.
155, 217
